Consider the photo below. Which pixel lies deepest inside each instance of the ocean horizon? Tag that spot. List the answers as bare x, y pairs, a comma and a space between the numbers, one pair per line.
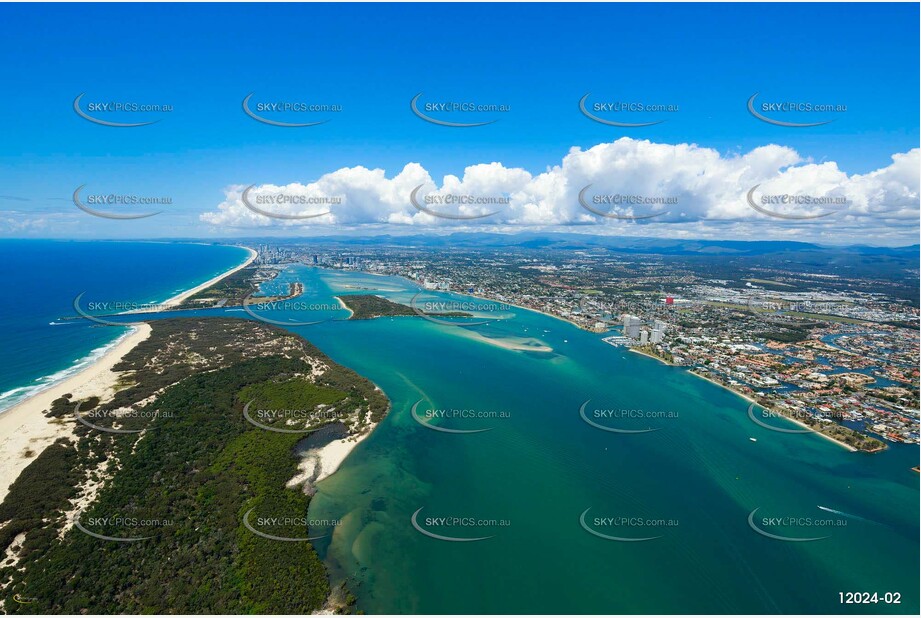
46, 275
533, 466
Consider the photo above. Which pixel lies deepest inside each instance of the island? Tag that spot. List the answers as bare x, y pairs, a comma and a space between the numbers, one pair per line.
370, 306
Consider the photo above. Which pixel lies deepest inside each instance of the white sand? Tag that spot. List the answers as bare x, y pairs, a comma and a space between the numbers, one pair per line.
333, 454
344, 306
320, 463
516, 344
25, 431
178, 298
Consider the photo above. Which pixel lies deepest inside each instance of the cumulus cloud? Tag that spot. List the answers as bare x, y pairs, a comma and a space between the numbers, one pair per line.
689, 189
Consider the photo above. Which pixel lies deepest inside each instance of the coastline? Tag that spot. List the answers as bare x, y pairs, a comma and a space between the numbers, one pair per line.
25, 431
486, 298
792, 420
731, 390
179, 298
330, 456
661, 360
505, 302
344, 306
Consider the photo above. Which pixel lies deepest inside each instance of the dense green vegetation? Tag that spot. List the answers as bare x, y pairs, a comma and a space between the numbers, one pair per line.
369, 306
295, 404
184, 484
787, 335
291, 394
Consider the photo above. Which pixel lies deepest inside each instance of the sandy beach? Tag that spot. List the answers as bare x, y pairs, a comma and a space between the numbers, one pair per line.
344, 306
333, 454
25, 431
178, 298
321, 462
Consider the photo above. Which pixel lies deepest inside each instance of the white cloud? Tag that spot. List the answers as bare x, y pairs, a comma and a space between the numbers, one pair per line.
710, 189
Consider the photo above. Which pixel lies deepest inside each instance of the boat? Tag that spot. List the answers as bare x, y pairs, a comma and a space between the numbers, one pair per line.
753, 439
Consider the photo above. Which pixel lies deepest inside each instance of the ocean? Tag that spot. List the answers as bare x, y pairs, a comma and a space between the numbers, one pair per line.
589, 480
42, 278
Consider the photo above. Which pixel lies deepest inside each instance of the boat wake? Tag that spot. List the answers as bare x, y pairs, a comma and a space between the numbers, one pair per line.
843, 514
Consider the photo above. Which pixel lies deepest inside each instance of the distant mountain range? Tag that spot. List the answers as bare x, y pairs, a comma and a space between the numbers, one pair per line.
564, 241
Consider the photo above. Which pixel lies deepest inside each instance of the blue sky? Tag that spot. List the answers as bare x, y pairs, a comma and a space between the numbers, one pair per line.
371, 59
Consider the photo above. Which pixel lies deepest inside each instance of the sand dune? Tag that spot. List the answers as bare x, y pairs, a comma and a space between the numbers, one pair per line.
25, 431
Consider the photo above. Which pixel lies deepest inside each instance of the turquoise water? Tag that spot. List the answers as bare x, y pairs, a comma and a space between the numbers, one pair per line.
693, 482
41, 279
526, 481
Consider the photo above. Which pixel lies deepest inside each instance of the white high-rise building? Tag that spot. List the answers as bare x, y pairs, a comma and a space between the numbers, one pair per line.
657, 335
644, 336
632, 325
